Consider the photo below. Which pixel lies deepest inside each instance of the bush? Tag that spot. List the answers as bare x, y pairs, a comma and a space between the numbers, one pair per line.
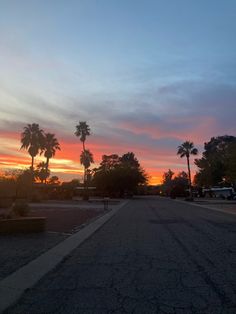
36, 198
5, 202
21, 208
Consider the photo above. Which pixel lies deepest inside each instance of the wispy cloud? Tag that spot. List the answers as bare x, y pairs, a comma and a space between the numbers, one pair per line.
144, 91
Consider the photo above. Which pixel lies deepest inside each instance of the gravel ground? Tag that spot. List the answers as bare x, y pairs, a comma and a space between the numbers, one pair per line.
18, 250
220, 204
66, 219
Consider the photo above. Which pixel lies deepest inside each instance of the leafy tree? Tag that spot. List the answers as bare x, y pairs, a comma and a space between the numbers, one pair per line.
130, 160
16, 183
110, 162
117, 176
218, 161
167, 176
167, 182
54, 180
185, 150
230, 173
32, 139
24, 183
50, 145
180, 184
7, 189
174, 185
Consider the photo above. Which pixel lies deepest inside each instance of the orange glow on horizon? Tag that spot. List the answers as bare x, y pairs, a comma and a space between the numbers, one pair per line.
66, 164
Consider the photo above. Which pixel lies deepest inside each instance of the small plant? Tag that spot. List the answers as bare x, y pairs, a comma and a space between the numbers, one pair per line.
21, 208
36, 198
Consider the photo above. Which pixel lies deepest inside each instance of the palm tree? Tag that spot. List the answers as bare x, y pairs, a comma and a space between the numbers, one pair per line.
86, 158
50, 146
32, 139
42, 172
82, 131
185, 150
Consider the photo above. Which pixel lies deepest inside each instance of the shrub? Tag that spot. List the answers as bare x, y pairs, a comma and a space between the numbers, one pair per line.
5, 202
21, 208
36, 198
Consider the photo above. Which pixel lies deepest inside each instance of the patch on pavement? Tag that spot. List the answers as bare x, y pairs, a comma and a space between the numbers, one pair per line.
230, 226
166, 221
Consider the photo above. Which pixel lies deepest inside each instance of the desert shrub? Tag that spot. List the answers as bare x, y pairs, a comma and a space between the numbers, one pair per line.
36, 198
5, 202
7, 188
21, 208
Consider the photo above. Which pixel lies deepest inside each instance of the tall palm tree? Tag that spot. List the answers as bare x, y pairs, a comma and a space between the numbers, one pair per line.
50, 146
86, 158
32, 139
82, 131
185, 150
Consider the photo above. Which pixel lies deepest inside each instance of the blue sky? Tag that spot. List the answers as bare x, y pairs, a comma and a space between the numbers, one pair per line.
146, 75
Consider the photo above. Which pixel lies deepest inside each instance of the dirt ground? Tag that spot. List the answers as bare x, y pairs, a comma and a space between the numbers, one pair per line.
229, 206
66, 220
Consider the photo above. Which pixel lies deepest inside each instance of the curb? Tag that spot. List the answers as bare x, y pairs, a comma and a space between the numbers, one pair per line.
207, 207
13, 286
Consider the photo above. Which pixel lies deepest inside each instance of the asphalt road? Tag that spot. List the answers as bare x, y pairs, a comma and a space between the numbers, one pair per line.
154, 256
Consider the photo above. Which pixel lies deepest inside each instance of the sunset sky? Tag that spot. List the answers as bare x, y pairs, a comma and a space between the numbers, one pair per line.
145, 75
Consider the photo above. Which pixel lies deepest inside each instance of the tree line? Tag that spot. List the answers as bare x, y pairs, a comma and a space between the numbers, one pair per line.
216, 167
122, 175
116, 175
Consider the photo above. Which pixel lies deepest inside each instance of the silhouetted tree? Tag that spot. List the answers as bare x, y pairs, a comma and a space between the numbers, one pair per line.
86, 158
42, 172
118, 176
180, 184
185, 150
50, 145
109, 162
82, 131
230, 173
174, 185
32, 139
54, 180
167, 183
218, 161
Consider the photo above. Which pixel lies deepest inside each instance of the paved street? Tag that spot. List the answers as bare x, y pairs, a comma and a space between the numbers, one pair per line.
154, 256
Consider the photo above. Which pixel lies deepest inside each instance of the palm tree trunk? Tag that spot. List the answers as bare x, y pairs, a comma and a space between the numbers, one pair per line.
189, 178
84, 167
85, 183
32, 176
32, 163
47, 164
84, 176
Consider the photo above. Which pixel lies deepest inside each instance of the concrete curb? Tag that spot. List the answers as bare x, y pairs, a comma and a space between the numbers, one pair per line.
14, 285
206, 207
